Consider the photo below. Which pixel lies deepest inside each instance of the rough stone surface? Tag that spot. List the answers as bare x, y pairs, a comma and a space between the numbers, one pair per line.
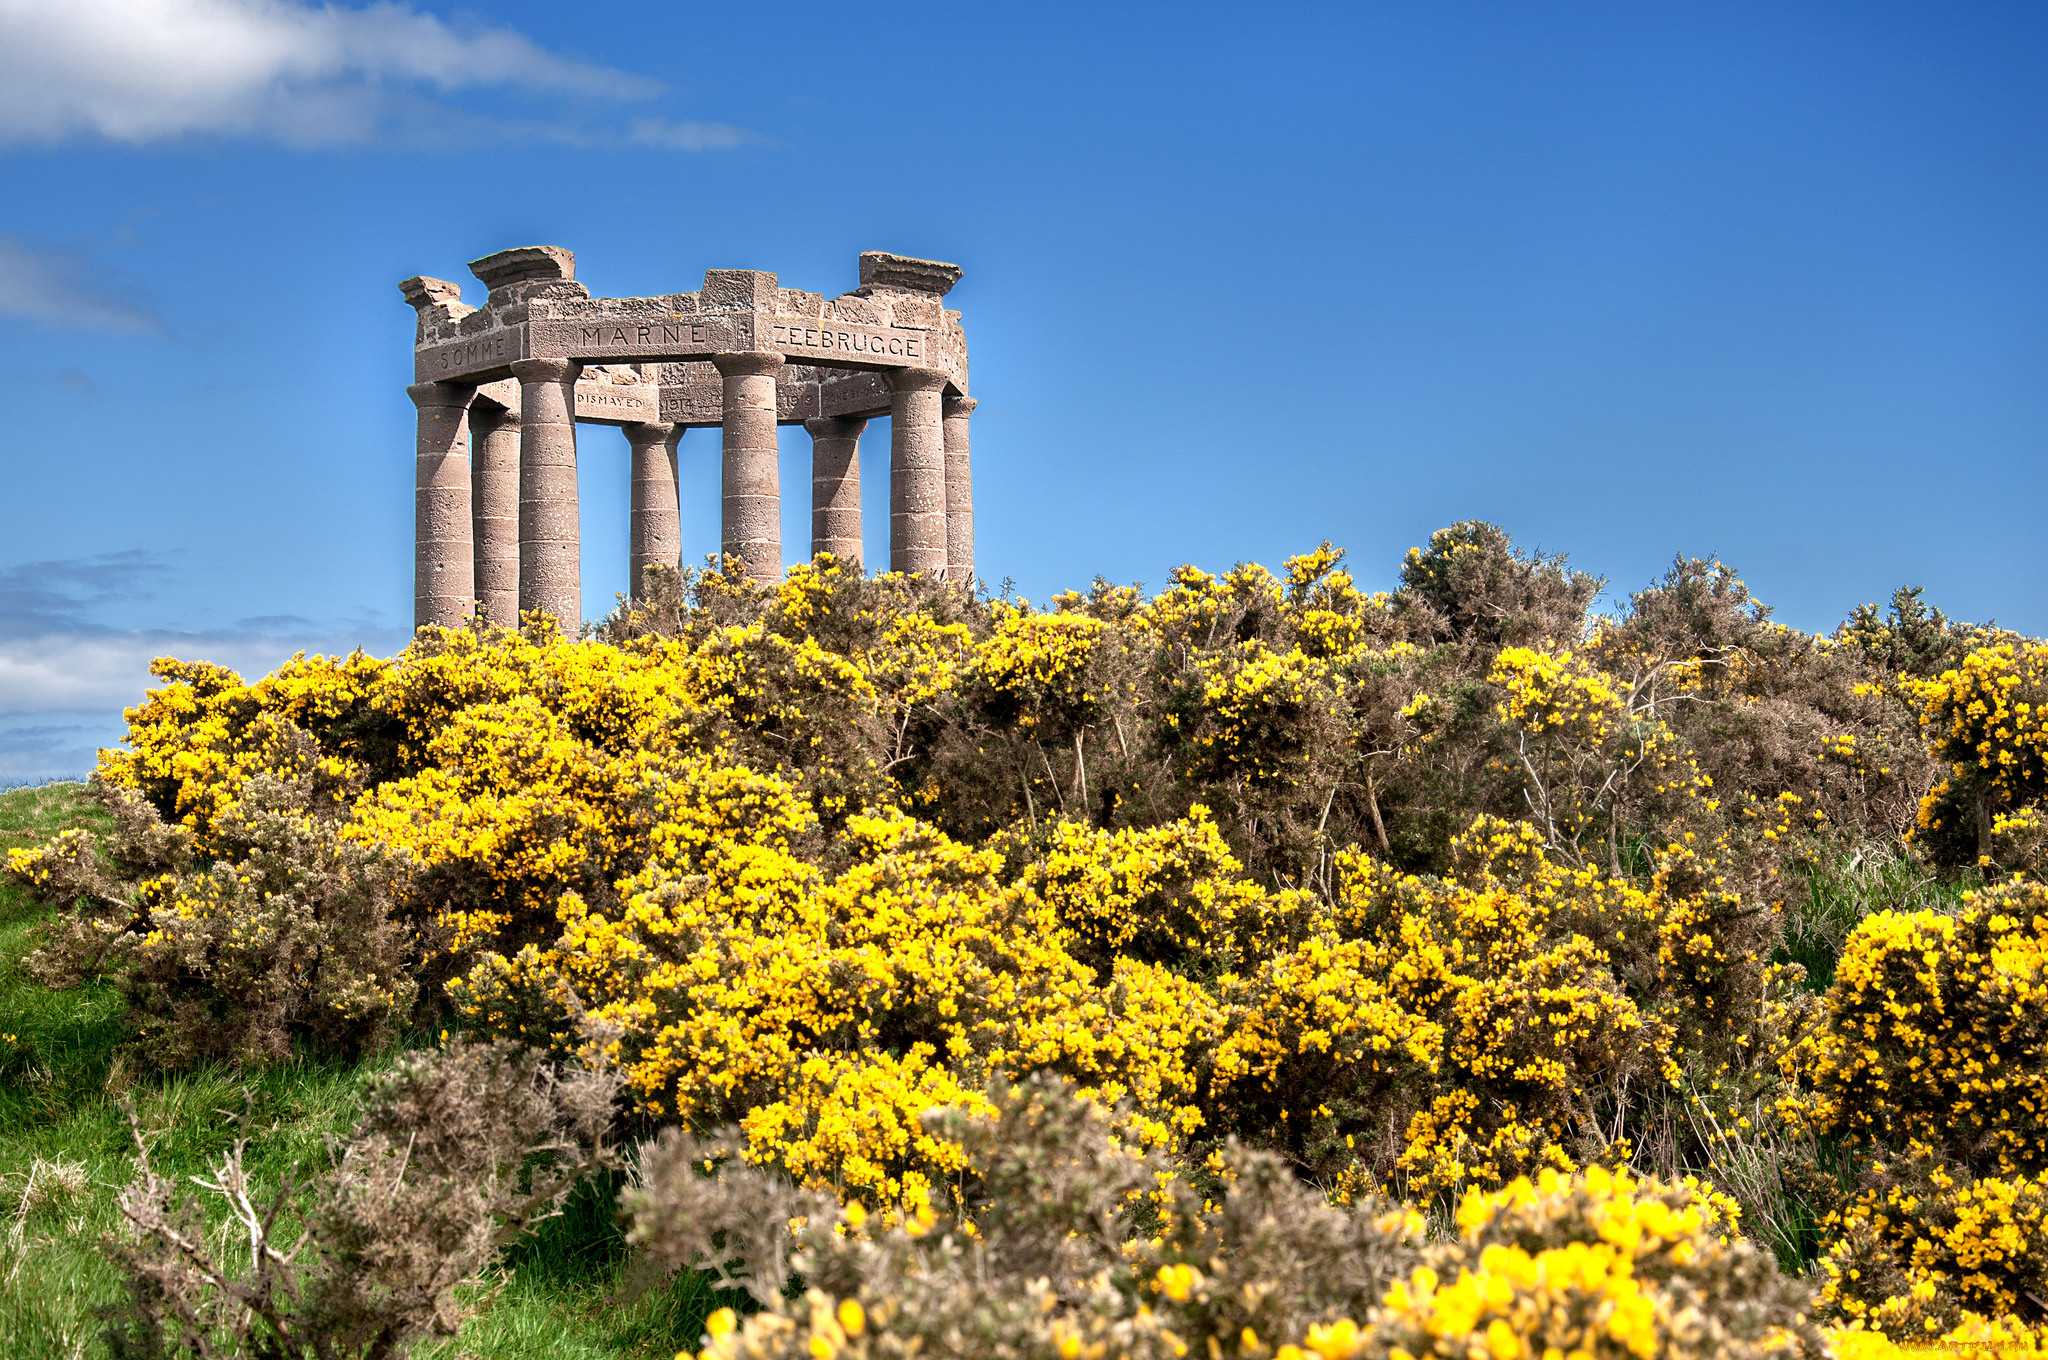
550, 551
423, 292
494, 506
738, 290
656, 534
917, 473
835, 488
879, 269
443, 581
750, 479
959, 492
522, 264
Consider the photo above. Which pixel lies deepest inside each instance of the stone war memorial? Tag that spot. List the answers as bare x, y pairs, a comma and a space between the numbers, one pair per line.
501, 388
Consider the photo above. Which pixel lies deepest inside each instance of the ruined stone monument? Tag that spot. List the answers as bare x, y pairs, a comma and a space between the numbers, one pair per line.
501, 388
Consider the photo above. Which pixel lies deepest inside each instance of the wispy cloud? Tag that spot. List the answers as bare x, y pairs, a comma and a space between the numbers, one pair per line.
56, 658
148, 70
688, 136
61, 596
53, 746
64, 290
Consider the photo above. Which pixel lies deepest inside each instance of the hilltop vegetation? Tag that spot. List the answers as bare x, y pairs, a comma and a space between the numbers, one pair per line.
1255, 965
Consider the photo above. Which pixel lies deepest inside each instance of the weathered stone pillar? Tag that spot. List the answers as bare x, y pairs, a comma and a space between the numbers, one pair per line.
959, 493
751, 502
675, 473
550, 553
835, 488
443, 573
494, 510
656, 527
917, 472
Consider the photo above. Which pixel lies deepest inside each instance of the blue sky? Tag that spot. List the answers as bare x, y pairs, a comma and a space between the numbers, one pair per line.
1764, 281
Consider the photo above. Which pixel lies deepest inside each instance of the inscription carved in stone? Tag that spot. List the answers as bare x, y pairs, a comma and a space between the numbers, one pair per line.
618, 403
465, 358
809, 339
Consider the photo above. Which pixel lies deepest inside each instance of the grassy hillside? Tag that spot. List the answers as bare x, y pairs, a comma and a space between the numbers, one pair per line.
65, 1152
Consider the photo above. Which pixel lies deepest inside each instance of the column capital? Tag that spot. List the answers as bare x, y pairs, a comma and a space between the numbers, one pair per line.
747, 362
523, 263
916, 379
546, 370
647, 433
830, 427
879, 269
423, 292
440, 394
959, 406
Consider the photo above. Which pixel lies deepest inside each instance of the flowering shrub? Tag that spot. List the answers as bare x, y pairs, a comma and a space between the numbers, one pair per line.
1066, 1247
751, 988
1936, 1032
1924, 1244
293, 934
1600, 1265
1988, 718
1414, 893
1069, 1257
1934, 1054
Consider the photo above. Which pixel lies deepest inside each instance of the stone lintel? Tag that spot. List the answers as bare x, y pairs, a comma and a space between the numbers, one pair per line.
694, 398
638, 337
602, 403
846, 344
847, 395
481, 358
522, 264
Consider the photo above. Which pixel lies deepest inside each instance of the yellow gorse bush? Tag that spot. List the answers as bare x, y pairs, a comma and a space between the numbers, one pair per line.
1937, 1032
1988, 719
1424, 891
1598, 1265
597, 836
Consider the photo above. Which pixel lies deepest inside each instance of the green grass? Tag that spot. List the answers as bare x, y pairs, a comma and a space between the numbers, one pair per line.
62, 1078
1835, 894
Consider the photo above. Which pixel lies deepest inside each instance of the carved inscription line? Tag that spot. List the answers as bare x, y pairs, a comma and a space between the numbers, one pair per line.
847, 342
483, 352
672, 333
633, 397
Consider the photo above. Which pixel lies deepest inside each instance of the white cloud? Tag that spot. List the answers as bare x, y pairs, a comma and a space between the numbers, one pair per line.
54, 746
56, 657
688, 136
145, 70
65, 290
107, 671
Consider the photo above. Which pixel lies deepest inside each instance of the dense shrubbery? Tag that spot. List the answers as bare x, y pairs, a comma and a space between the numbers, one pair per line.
1063, 1248
1451, 891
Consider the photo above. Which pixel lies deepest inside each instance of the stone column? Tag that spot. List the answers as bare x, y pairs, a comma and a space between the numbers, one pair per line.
494, 510
959, 493
751, 500
675, 474
443, 572
835, 488
917, 472
656, 527
550, 554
